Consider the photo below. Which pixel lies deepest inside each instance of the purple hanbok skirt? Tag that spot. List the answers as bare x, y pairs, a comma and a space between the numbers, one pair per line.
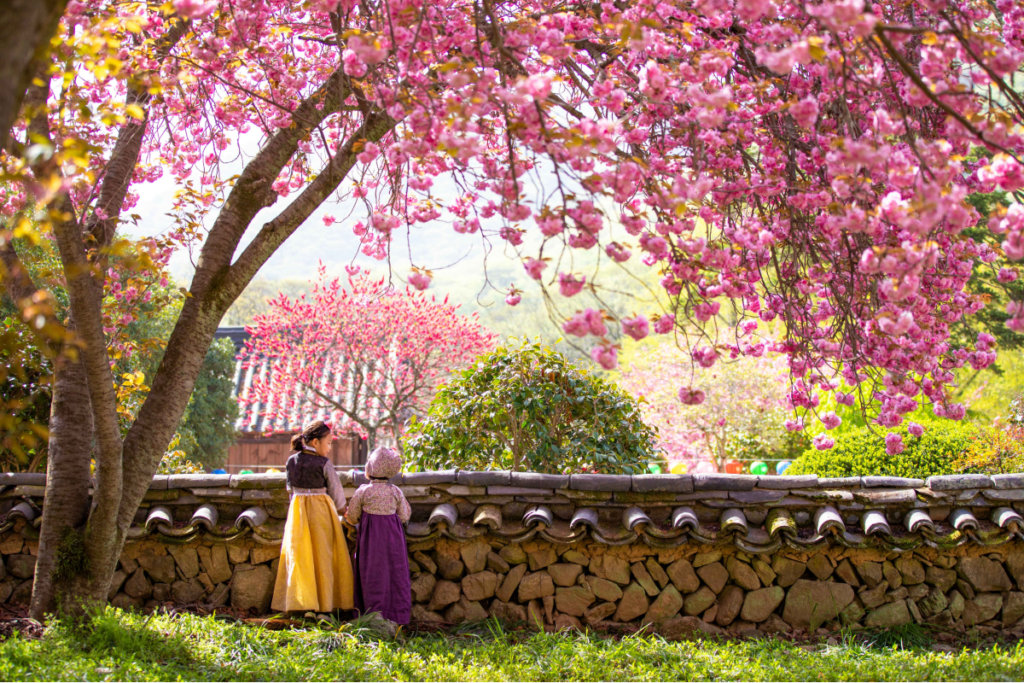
382, 582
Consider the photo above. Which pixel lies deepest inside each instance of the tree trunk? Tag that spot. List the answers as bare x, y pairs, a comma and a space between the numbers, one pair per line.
67, 488
26, 27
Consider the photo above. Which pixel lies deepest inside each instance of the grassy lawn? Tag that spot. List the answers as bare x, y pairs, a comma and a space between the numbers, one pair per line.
126, 646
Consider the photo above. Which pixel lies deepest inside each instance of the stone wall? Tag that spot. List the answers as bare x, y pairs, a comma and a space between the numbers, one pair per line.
705, 553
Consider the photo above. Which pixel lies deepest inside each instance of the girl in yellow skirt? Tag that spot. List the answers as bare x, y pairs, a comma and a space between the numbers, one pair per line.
315, 573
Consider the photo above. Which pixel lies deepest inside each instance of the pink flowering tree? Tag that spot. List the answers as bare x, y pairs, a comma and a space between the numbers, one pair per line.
800, 162
743, 400
363, 356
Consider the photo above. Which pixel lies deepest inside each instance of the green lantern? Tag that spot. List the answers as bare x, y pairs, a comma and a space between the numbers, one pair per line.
246, 472
759, 467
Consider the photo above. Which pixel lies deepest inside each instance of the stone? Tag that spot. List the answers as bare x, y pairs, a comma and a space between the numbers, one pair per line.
911, 570
124, 601
956, 604
565, 573
480, 586
535, 615
1013, 608
138, 586
851, 614
918, 591
634, 603
897, 595
743, 574
465, 610
888, 616
845, 572
474, 556
701, 559
696, 603
128, 564
508, 612
811, 603
943, 579
965, 588
445, 593
162, 592
764, 571
564, 622
188, 592
983, 607
12, 545
21, 566
448, 567
611, 568
511, 583
944, 620
820, 567
513, 554
891, 575
775, 624
576, 557
984, 575
714, 575
540, 559
657, 572
264, 552
787, 570
219, 596
215, 563
575, 600
687, 627
1015, 565
604, 589
665, 606
710, 614
536, 585
873, 597
914, 611
238, 552
643, 577
730, 603
496, 563
252, 588
422, 615
549, 608
934, 603
683, 577
425, 563
599, 613
187, 560
870, 573
116, 582
760, 604
423, 587
160, 568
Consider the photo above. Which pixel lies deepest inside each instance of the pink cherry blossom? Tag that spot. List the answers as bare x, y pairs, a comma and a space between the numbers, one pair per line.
636, 327
915, 429
605, 356
823, 442
570, 285
830, 420
893, 443
419, 280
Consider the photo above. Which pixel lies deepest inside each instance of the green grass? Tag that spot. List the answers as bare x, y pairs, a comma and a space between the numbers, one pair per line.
123, 646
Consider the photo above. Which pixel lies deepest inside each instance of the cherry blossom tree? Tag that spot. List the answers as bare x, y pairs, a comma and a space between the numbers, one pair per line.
800, 162
745, 398
364, 357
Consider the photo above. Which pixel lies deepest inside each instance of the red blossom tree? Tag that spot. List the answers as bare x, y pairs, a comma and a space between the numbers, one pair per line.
805, 162
364, 357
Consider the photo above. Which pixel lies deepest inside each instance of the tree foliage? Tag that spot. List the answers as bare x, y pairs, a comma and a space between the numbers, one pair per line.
526, 407
366, 356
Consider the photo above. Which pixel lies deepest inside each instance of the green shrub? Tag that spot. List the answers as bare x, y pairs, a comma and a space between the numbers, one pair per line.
859, 452
527, 407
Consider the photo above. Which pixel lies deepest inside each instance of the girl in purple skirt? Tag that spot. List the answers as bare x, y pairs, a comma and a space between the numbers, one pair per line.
380, 510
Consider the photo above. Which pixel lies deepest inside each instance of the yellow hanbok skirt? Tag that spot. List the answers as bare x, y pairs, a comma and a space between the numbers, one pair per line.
315, 573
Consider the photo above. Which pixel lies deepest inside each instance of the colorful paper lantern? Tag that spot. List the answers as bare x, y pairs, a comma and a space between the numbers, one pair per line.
759, 467
783, 466
679, 468
733, 467
220, 471
246, 472
655, 469
705, 467
273, 470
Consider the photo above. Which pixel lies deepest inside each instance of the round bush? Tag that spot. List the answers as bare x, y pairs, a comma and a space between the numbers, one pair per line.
859, 453
528, 408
